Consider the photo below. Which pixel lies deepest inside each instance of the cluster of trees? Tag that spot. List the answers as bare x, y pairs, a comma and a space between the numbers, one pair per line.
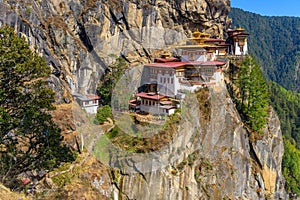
291, 167
252, 97
103, 113
112, 75
105, 90
29, 140
275, 43
287, 105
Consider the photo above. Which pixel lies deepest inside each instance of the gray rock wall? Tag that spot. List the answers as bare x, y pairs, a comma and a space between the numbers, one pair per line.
77, 36
213, 159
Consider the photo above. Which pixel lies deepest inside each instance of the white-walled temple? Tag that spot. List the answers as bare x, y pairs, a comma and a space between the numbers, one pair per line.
196, 67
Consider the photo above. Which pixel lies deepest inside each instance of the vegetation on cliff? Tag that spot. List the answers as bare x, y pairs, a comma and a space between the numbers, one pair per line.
103, 113
252, 95
29, 140
287, 105
275, 43
113, 74
291, 167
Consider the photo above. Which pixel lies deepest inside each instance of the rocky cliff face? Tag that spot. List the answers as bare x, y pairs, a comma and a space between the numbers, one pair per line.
214, 157
211, 157
77, 36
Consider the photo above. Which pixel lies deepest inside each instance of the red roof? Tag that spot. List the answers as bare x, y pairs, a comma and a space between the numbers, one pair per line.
92, 96
149, 96
167, 64
164, 60
214, 40
134, 102
223, 44
206, 63
182, 64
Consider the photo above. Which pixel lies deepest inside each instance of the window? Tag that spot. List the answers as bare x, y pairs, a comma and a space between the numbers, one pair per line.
165, 80
172, 80
161, 79
168, 80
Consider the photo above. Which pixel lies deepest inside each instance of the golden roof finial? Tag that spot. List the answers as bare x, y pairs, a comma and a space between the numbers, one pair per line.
196, 34
166, 54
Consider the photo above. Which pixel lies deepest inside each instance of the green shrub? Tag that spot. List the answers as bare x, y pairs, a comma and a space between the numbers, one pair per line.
291, 167
103, 113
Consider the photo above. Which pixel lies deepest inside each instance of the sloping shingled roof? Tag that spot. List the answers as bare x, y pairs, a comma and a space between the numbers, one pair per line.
182, 64
150, 96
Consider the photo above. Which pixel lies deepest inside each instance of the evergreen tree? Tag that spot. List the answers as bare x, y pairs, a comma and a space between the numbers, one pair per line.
274, 41
291, 167
29, 140
103, 113
110, 79
253, 97
287, 105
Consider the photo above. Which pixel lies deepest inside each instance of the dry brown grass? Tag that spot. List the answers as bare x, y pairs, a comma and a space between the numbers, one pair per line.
156, 142
6, 194
203, 98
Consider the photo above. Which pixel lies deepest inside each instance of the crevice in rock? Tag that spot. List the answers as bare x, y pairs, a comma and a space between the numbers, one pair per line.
113, 16
84, 37
253, 155
125, 21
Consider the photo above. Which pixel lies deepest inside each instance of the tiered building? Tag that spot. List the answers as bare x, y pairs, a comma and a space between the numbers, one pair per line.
165, 81
238, 41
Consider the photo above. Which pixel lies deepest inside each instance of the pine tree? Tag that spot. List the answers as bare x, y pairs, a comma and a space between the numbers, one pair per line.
29, 140
253, 96
110, 79
291, 167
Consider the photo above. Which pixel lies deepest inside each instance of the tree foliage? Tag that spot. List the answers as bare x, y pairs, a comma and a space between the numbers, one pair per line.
275, 42
110, 79
291, 167
103, 113
29, 140
287, 105
252, 99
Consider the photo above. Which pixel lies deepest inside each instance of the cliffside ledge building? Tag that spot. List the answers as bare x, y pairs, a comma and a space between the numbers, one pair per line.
88, 102
164, 82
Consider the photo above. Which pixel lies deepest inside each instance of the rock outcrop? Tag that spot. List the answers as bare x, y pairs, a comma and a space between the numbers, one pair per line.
78, 36
211, 157
215, 158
